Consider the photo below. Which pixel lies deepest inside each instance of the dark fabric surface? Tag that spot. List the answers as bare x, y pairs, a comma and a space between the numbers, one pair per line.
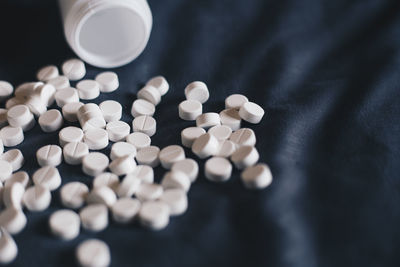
327, 73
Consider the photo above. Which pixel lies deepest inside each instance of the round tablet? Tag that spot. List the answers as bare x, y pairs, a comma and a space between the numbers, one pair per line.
21, 177
50, 155
51, 121
5, 170
36, 105
47, 176
102, 195
47, 73
12, 195
190, 134
106, 179
139, 140
176, 179
25, 89
206, 145
221, 132
74, 69
112, 110
94, 217
243, 137
46, 93
251, 112
9, 249
207, 120
218, 169
13, 220
144, 124
65, 224
73, 194
70, 111
3, 117
160, 83
226, 149
150, 94
37, 198
129, 185
245, 156
21, 116
187, 166
231, 118
256, 177
94, 163
108, 81
144, 173
96, 139
93, 253
59, 82
15, 158
74, 152
235, 101
6, 90
154, 215
197, 91
118, 130
70, 134
125, 210
142, 107
171, 154
122, 165
189, 110
148, 191
65, 96
177, 201
11, 136
88, 89
121, 149
148, 156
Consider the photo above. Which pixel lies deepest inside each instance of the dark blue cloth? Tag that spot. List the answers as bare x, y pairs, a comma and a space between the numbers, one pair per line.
327, 73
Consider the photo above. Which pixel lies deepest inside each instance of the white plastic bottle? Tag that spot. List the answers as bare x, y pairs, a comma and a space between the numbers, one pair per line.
107, 33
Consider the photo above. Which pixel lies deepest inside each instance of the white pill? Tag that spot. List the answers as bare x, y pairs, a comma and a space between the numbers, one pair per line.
51, 121
106, 179
6, 90
94, 217
142, 107
91, 117
218, 169
26, 89
59, 82
112, 110
93, 253
206, 145
36, 105
21, 116
46, 93
75, 152
65, 224
189, 110
190, 134
230, 118
65, 96
226, 149
73, 195
177, 201
144, 173
121, 149
251, 112
50, 155
125, 210
243, 137
74, 69
11, 136
102, 195
70, 111
96, 139
160, 83
88, 89
207, 120
15, 158
187, 166
148, 192
148, 156
70, 134
154, 215
221, 132
47, 73
197, 91
176, 179
21, 177
245, 156
122, 165
12, 195
5, 170
108, 81
8, 247
256, 177
13, 220
94, 163
139, 140
171, 154
150, 94
47, 176
235, 101
3, 117
128, 187
118, 130
37, 198
144, 124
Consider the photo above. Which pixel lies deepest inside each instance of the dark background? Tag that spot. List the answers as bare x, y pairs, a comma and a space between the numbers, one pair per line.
327, 74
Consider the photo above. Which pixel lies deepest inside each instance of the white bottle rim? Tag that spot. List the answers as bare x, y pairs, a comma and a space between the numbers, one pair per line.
77, 29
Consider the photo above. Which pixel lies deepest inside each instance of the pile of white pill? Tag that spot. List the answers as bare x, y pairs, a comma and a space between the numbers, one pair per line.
123, 182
